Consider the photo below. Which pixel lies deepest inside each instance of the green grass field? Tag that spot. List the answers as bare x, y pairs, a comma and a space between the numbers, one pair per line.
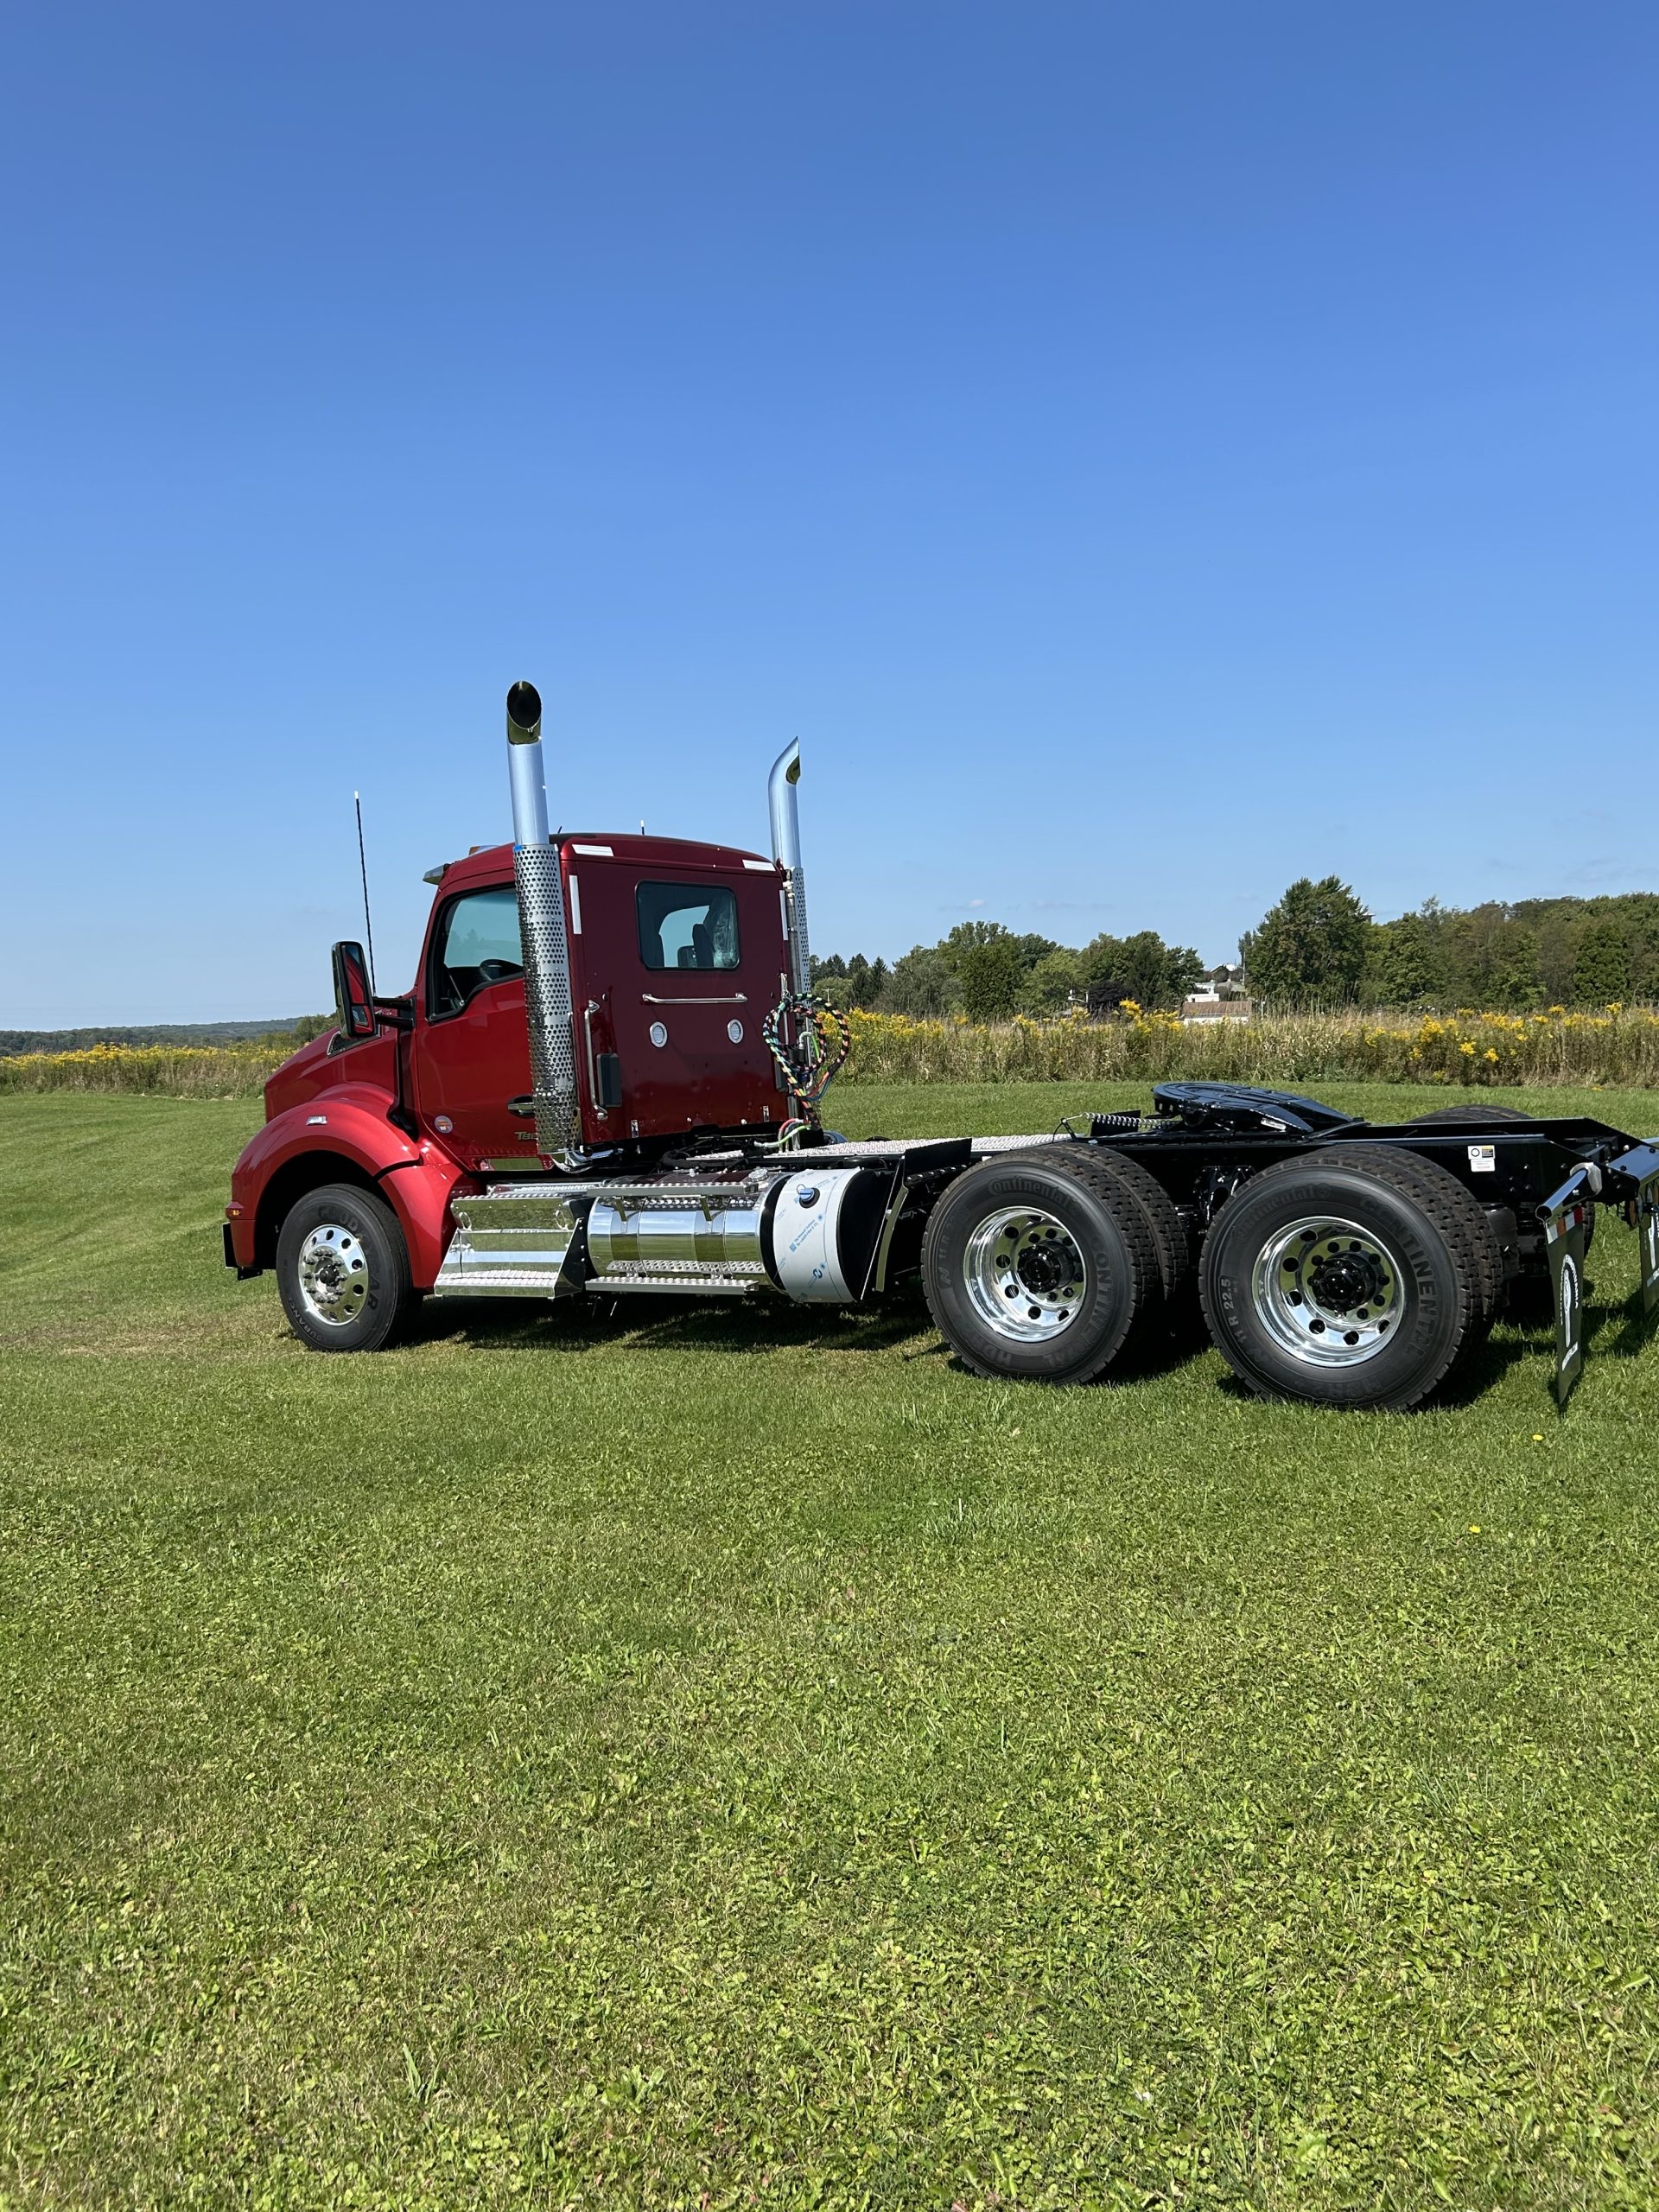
734, 1758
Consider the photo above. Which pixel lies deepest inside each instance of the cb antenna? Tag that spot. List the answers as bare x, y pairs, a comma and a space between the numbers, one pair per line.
362, 865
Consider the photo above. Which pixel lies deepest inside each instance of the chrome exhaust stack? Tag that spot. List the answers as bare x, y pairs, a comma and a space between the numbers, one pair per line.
786, 851
541, 933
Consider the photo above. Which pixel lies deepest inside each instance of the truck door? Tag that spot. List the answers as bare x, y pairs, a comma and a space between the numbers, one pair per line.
472, 1055
684, 964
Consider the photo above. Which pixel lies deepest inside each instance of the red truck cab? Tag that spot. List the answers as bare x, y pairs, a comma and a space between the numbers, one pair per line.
677, 952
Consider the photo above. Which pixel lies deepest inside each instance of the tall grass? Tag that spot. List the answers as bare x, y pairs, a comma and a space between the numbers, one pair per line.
1616, 1048
166, 1071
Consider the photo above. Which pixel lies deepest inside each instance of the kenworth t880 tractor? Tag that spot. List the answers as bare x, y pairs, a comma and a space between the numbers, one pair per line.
608, 1082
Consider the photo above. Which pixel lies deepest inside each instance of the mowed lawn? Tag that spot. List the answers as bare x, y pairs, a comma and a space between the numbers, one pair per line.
734, 1758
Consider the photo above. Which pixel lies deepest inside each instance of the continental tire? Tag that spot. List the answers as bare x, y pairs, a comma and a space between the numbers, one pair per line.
1349, 1277
1471, 1116
1171, 1243
1039, 1271
342, 1269
1181, 1320
1447, 1199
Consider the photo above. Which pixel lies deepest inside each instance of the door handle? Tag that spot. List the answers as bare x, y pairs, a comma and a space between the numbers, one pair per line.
524, 1108
735, 998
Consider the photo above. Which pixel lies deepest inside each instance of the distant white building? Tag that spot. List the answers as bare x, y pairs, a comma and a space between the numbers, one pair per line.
1222, 999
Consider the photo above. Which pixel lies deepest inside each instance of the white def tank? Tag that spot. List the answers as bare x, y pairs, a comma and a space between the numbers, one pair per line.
823, 1225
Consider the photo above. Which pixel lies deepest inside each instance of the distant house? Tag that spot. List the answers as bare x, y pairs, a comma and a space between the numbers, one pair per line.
1222, 999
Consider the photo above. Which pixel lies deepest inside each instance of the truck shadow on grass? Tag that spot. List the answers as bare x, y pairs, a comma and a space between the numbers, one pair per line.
762, 1325
901, 1329
1525, 1334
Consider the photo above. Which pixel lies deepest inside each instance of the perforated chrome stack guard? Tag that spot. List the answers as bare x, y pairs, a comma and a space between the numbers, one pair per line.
543, 948
548, 1009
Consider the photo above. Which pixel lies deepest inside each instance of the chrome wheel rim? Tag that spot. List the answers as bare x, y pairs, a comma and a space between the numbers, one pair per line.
1329, 1292
334, 1279
1024, 1274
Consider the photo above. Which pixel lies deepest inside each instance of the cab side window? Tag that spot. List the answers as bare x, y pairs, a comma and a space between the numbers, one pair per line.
477, 945
683, 926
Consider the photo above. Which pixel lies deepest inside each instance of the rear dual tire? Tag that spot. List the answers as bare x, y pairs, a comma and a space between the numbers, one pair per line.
1048, 1267
1359, 1276
1362, 1276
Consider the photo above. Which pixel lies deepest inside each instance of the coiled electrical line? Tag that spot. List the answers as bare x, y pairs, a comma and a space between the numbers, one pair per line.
824, 1028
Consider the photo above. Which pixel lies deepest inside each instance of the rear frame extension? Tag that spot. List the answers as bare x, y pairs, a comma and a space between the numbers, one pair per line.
1538, 1180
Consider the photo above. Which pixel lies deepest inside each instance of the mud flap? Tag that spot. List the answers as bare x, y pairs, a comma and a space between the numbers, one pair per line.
1565, 1216
1645, 1222
1634, 1178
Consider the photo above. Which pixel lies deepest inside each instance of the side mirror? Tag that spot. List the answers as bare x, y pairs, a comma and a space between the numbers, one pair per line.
352, 996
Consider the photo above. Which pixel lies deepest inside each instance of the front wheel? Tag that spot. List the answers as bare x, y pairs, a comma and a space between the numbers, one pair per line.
342, 1269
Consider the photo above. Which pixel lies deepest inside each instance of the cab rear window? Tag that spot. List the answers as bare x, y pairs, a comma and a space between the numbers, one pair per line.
686, 925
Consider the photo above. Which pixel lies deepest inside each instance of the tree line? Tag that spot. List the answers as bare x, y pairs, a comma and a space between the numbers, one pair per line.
990, 973
298, 1027
1319, 945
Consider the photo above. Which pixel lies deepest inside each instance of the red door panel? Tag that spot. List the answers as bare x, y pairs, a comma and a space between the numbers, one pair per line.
470, 1067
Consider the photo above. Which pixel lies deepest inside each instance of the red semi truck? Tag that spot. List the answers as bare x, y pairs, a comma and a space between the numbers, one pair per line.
607, 1081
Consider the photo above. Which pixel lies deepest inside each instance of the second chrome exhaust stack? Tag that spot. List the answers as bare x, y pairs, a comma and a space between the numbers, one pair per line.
786, 851
541, 934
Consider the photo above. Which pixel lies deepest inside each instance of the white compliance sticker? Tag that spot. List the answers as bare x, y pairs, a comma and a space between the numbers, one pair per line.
1483, 1159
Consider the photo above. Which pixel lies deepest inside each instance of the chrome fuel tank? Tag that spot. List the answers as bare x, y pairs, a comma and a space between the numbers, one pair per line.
662, 1238
809, 1231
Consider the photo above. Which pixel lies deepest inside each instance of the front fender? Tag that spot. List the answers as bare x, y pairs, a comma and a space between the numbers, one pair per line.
348, 1124
420, 1193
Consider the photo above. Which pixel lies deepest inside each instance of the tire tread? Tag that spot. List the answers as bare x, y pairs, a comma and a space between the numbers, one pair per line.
1449, 1210
1454, 1211
1099, 1165
1132, 1225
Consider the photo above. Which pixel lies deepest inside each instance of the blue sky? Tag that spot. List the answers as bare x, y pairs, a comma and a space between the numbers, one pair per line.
1145, 452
